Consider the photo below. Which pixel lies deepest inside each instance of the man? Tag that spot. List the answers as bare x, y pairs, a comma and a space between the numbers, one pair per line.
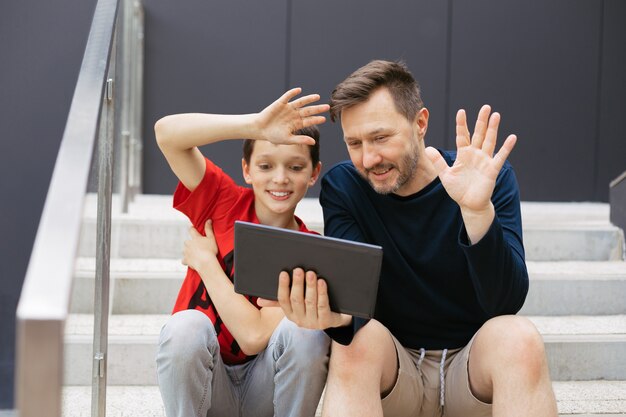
445, 340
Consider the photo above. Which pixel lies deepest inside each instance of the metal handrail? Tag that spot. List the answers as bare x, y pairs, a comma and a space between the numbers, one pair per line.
44, 302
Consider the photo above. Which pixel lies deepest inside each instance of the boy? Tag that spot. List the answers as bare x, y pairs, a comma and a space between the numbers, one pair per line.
220, 354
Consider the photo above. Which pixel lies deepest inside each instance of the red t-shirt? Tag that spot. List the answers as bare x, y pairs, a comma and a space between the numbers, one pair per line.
218, 198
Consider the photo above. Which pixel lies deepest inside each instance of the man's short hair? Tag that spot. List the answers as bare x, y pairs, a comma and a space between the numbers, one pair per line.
359, 86
314, 150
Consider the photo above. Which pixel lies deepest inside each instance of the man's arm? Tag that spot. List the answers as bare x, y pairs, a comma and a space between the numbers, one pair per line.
491, 237
179, 135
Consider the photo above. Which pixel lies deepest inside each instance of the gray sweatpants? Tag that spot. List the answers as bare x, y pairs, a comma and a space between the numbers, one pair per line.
284, 380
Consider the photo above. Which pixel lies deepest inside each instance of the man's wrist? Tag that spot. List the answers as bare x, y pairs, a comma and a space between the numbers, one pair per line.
477, 222
344, 321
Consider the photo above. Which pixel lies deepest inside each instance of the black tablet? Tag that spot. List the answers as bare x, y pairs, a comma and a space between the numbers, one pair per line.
351, 269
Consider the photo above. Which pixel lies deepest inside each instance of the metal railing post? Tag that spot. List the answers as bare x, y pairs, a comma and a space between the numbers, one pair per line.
125, 89
103, 249
136, 143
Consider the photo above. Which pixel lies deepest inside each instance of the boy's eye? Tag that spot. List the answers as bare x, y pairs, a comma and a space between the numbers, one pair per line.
264, 167
297, 167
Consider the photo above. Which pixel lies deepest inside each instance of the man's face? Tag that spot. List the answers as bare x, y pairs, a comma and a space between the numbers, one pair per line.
382, 143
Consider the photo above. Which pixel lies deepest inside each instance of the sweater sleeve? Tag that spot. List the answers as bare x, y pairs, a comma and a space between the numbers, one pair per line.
339, 223
496, 263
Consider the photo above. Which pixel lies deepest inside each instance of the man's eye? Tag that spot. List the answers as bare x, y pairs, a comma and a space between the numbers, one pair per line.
380, 138
354, 144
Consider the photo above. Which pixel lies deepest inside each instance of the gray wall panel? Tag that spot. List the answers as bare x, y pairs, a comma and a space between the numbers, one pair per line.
537, 63
331, 39
41, 45
612, 132
214, 57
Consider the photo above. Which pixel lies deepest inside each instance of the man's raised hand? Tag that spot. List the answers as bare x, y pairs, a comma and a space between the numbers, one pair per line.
278, 121
470, 181
472, 178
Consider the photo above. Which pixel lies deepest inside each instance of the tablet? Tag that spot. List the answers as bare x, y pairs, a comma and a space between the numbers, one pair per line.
351, 269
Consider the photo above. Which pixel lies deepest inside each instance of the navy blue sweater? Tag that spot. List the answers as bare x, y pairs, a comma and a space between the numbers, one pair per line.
435, 289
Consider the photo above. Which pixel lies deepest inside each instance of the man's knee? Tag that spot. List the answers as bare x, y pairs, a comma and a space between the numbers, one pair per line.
515, 343
371, 347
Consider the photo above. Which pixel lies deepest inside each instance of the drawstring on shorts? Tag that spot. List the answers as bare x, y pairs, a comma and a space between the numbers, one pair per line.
442, 380
421, 359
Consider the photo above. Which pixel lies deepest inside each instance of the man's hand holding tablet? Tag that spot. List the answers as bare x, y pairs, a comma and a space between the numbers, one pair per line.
306, 302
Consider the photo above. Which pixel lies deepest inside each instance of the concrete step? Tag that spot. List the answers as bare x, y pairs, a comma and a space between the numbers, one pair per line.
576, 288
581, 398
552, 231
150, 286
138, 286
578, 347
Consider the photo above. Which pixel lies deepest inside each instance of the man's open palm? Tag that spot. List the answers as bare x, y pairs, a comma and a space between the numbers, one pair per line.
472, 178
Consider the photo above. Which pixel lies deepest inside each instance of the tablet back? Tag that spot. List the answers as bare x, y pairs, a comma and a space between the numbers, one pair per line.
351, 269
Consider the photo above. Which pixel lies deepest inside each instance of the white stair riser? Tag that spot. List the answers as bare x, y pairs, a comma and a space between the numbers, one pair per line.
562, 297
153, 239
132, 362
134, 295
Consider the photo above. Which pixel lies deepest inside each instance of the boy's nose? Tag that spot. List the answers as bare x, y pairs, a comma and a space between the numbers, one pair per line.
281, 176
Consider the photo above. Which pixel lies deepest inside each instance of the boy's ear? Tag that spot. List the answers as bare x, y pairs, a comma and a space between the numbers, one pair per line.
316, 173
245, 170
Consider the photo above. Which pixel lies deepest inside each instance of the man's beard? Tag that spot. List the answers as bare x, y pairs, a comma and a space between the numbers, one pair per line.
406, 170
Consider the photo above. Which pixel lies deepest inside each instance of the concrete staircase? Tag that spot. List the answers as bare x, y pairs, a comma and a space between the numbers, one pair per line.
577, 300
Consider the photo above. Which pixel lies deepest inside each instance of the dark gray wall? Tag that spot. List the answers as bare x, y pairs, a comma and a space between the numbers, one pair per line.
555, 70
41, 47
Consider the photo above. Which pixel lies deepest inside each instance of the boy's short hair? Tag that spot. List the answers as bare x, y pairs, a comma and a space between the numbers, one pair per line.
359, 85
314, 150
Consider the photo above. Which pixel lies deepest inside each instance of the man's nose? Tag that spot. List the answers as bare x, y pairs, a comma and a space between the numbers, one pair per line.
371, 157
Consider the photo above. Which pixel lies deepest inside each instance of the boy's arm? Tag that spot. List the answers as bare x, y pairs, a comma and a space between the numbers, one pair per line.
251, 327
180, 135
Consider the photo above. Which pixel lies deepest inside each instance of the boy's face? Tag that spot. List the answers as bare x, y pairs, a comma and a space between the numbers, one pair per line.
280, 176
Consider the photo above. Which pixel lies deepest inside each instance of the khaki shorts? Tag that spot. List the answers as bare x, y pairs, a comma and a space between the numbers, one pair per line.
417, 392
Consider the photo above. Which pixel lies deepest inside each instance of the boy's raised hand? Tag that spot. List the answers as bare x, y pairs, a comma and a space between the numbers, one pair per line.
278, 121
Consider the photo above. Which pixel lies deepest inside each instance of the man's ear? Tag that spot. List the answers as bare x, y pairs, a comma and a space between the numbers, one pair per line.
421, 121
245, 170
316, 173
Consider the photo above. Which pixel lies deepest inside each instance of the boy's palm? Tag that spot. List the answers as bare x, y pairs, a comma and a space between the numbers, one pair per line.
282, 118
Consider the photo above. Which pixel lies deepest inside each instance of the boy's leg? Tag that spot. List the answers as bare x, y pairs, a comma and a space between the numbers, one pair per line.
288, 377
507, 367
372, 367
192, 377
